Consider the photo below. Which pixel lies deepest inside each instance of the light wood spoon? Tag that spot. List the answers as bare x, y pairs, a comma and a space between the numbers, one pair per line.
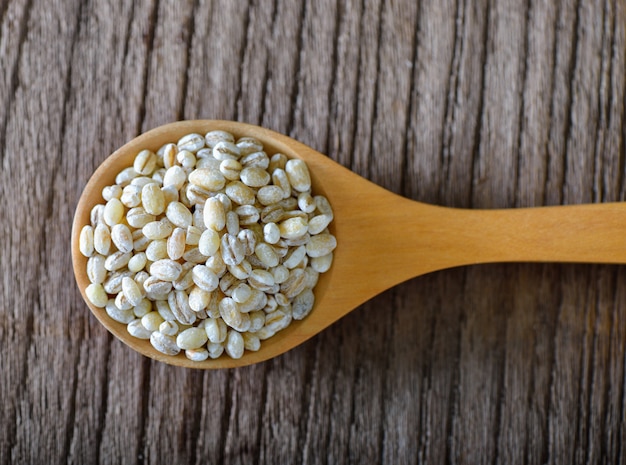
383, 239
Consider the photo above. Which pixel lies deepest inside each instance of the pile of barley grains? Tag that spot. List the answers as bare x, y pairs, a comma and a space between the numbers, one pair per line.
208, 246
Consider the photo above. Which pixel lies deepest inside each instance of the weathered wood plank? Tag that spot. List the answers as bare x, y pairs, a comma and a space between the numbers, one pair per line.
462, 128
537, 94
436, 55
396, 51
34, 304
213, 74
169, 60
107, 420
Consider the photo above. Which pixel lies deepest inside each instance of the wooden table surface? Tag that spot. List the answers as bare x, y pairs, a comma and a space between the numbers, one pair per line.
477, 104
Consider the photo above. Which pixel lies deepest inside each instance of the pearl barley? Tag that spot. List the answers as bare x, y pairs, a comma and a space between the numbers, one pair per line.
208, 245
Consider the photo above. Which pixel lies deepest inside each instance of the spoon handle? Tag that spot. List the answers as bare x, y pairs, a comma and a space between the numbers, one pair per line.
447, 237
591, 233
406, 239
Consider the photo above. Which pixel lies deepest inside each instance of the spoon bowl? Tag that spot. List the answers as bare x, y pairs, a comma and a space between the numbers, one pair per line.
383, 239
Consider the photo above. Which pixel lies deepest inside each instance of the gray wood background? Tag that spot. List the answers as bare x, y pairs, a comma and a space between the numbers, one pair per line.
477, 104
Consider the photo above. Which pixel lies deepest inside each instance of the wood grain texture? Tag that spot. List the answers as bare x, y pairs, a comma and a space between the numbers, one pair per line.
482, 104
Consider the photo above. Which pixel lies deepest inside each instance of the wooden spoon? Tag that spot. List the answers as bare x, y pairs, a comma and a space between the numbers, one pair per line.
383, 239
